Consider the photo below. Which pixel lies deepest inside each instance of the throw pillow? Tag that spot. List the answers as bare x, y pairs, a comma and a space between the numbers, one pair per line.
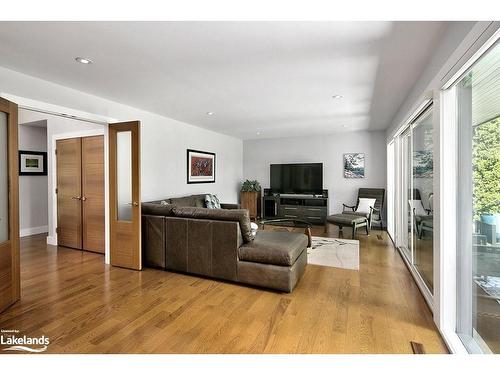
211, 201
417, 205
254, 228
364, 204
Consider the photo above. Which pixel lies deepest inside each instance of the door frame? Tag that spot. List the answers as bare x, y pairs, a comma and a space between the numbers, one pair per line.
13, 185
74, 114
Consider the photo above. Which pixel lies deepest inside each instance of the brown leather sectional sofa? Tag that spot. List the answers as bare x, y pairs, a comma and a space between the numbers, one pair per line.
218, 243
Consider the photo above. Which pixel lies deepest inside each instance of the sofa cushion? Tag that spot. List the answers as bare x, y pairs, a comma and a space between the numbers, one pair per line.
212, 202
354, 213
278, 248
156, 209
240, 216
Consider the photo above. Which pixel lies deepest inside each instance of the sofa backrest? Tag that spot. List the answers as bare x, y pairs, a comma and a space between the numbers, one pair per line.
202, 246
241, 216
189, 201
156, 208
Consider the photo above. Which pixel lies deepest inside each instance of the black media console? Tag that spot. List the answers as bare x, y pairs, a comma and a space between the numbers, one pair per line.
313, 208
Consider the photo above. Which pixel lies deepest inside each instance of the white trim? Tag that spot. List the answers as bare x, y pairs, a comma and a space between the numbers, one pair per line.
52, 109
446, 294
32, 231
52, 240
38, 106
413, 115
475, 57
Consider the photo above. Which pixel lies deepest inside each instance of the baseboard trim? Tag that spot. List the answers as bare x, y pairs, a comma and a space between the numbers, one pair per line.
32, 231
52, 240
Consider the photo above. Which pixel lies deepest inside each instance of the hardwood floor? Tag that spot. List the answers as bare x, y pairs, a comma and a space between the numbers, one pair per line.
85, 306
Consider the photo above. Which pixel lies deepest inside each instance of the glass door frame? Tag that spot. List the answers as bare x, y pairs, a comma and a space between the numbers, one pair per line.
448, 209
401, 189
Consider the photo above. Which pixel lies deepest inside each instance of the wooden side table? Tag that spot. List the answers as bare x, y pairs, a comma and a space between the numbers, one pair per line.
250, 200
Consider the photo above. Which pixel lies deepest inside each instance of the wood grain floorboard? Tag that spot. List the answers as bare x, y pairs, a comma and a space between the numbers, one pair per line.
85, 306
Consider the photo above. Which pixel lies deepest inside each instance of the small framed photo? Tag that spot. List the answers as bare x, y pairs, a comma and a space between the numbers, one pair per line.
200, 167
354, 165
32, 163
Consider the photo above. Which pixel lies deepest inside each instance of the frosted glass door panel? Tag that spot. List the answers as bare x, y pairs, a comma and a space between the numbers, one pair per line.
124, 175
4, 180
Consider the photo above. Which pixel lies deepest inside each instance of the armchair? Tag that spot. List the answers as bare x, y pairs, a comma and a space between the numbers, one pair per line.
375, 212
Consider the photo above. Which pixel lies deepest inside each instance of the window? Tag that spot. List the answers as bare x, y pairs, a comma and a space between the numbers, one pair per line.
478, 210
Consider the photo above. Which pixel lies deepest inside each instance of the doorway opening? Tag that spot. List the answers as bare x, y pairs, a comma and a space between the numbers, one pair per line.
43, 209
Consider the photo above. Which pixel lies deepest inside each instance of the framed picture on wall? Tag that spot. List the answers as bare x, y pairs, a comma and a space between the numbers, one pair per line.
32, 163
200, 167
354, 165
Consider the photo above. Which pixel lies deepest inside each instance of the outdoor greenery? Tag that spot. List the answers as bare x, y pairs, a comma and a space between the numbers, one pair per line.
250, 185
486, 168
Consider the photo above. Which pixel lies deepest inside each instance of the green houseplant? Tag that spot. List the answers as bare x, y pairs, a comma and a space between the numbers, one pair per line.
251, 186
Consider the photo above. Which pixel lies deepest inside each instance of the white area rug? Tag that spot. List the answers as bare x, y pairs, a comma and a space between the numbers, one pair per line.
334, 252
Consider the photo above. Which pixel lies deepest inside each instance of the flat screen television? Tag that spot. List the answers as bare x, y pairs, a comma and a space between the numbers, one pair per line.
297, 178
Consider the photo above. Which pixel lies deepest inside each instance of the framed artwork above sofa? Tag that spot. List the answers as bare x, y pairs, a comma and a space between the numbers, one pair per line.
200, 167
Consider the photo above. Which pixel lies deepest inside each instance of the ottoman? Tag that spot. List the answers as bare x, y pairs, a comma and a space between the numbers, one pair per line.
346, 220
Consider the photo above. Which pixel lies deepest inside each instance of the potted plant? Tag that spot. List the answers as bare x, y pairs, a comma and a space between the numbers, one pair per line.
250, 186
250, 197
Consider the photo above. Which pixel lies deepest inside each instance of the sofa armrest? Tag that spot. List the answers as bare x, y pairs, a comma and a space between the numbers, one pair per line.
230, 206
153, 241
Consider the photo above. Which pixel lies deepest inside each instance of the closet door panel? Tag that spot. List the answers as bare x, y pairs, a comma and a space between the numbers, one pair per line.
93, 193
69, 184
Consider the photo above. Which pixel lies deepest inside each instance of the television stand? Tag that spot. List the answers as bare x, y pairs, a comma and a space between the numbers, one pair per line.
309, 208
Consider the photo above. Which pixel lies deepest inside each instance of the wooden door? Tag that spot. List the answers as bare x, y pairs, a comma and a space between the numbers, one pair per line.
10, 281
93, 193
69, 192
124, 195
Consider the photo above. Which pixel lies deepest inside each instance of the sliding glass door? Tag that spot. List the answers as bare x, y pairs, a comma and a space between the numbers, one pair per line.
478, 258
422, 198
413, 184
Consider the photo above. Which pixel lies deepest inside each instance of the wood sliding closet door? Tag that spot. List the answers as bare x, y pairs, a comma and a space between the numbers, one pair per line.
124, 195
80, 193
10, 281
69, 192
93, 193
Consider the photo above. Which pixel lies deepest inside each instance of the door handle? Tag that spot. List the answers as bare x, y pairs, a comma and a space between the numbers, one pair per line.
84, 199
79, 198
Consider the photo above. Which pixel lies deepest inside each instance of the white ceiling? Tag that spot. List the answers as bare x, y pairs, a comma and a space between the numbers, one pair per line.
272, 78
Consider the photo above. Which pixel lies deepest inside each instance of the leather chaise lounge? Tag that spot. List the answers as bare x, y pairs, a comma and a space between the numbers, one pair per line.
218, 243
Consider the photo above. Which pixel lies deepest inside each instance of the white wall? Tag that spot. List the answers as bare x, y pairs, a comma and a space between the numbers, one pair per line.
454, 48
163, 140
33, 201
329, 150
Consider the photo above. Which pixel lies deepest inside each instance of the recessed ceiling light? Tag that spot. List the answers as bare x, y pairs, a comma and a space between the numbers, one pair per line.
210, 113
345, 126
83, 60
337, 96
258, 133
